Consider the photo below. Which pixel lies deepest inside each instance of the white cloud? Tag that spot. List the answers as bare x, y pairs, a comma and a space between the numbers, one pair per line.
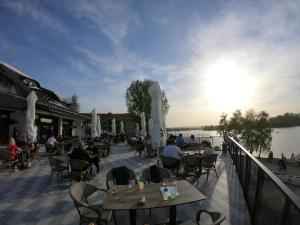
113, 18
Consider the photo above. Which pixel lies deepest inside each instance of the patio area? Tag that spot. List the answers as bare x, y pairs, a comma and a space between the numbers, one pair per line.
30, 197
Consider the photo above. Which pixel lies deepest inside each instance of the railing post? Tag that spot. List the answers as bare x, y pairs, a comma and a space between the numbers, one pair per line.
285, 219
247, 176
241, 166
258, 196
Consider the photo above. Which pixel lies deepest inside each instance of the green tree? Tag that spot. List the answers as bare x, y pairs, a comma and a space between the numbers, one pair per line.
138, 99
72, 102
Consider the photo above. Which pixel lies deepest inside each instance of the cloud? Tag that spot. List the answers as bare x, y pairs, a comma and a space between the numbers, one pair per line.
37, 12
113, 18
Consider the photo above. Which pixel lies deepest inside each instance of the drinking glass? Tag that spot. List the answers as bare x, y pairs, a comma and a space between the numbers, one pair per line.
112, 185
141, 185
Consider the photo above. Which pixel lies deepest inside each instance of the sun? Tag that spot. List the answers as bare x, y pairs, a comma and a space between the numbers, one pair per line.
228, 85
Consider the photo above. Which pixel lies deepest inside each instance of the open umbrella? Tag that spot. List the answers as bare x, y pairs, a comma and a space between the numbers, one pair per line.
94, 132
113, 127
122, 127
99, 125
30, 116
143, 125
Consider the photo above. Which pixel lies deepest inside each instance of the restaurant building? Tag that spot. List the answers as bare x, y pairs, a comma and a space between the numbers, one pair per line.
52, 115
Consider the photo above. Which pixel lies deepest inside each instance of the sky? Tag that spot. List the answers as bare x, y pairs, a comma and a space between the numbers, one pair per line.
210, 56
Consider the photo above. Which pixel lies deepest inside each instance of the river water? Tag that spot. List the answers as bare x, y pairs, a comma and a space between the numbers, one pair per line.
284, 140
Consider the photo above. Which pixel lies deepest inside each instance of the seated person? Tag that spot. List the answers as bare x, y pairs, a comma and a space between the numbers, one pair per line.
29, 148
14, 150
172, 151
94, 154
180, 140
140, 145
192, 140
51, 142
208, 150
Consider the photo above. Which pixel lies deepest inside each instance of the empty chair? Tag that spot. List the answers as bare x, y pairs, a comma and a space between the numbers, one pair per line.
209, 163
155, 174
121, 175
79, 169
171, 164
192, 167
216, 218
58, 167
9, 160
89, 212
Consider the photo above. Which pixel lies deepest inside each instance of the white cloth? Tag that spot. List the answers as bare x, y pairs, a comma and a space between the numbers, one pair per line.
51, 141
172, 151
208, 151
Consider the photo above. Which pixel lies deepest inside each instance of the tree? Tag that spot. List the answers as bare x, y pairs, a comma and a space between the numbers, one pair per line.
138, 99
252, 130
72, 102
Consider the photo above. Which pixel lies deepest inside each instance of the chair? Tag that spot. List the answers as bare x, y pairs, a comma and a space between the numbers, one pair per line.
216, 217
209, 163
89, 213
171, 164
164, 173
110, 177
35, 154
192, 167
150, 152
58, 167
79, 169
139, 148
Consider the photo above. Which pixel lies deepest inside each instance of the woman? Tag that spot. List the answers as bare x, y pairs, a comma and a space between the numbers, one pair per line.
13, 149
192, 140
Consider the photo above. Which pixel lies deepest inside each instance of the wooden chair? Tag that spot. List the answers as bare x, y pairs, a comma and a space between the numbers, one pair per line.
89, 213
164, 174
209, 163
9, 160
109, 176
192, 167
79, 169
58, 167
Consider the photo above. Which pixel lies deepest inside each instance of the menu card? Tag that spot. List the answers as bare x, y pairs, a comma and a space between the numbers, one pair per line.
169, 192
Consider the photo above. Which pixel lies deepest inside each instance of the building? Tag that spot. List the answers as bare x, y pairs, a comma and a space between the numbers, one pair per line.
106, 122
52, 115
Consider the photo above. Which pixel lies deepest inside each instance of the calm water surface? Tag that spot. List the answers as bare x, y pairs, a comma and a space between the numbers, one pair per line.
285, 140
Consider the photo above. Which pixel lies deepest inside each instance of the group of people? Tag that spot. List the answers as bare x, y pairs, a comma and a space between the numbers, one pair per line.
181, 142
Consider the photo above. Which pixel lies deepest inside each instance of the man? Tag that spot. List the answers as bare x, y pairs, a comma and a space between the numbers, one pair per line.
94, 155
172, 151
180, 140
51, 143
208, 150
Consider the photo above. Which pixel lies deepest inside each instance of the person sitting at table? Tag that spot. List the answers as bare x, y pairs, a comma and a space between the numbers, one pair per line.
51, 142
173, 151
29, 149
208, 150
180, 140
192, 140
94, 155
14, 150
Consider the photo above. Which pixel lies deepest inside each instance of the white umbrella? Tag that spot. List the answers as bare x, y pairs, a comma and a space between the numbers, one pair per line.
113, 127
143, 124
99, 125
94, 132
122, 128
155, 93
137, 128
164, 137
150, 124
30, 116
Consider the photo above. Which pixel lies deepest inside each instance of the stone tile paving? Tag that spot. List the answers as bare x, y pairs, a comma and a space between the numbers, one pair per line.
31, 197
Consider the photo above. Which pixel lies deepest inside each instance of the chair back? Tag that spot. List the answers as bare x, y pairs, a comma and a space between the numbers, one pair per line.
55, 163
209, 160
110, 177
164, 173
78, 165
169, 162
217, 217
191, 161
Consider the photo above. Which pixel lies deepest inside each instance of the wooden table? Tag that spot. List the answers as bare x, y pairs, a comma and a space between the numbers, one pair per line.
126, 199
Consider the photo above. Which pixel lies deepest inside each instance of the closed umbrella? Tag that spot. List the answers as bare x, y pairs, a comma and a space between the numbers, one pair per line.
99, 125
122, 127
143, 124
113, 127
137, 128
150, 124
94, 132
155, 93
30, 116
164, 128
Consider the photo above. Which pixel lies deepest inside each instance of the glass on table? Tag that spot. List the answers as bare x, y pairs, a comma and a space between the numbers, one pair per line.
131, 184
112, 184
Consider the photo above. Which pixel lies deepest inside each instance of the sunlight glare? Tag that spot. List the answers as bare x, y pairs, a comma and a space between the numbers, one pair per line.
229, 87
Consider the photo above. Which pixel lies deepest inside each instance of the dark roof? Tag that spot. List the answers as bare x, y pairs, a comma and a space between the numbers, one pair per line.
117, 116
47, 99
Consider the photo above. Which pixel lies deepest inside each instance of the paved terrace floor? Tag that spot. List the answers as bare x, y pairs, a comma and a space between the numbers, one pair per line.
30, 197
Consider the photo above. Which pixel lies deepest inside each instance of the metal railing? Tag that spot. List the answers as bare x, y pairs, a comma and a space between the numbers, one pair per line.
269, 200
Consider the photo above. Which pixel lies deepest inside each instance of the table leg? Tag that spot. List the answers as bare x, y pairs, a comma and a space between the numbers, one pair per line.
172, 215
132, 215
